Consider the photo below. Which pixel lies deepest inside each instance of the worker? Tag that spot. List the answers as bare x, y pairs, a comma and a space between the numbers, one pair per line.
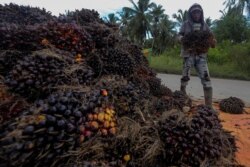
194, 23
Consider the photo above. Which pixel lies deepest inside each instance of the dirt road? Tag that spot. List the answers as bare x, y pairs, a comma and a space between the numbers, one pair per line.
222, 88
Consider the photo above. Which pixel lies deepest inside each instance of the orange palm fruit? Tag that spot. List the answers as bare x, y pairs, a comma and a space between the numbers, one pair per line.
100, 117
94, 124
90, 117
112, 124
104, 92
95, 117
112, 131
81, 138
106, 124
108, 111
126, 157
112, 111
107, 117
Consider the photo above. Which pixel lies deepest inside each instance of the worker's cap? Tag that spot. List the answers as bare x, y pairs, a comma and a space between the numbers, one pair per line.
195, 8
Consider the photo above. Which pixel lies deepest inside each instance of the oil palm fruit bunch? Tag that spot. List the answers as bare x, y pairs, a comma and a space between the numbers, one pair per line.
79, 74
176, 100
128, 97
8, 59
154, 85
133, 50
164, 91
82, 17
195, 138
164, 103
111, 61
69, 37
23, 15
197, 41
32, 75
181, 100
102, 35
54, 126
121, 63
232, 105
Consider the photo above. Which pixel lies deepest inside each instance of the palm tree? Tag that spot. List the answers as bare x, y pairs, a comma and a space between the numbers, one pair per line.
111, 18
157, 14
209, 22
165, 35
239, 6
139, 22
124, 17
180, 16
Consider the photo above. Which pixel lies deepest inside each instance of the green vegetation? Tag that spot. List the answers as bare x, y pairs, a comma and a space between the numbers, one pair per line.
227, 60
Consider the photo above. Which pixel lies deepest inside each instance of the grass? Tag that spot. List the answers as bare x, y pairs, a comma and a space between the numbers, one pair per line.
166, 64
170, 62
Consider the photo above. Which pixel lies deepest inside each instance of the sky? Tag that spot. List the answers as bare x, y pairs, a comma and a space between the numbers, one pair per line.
103, 7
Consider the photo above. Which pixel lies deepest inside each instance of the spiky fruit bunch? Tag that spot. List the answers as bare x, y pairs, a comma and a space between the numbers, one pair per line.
55, 126
176, 100
32, 75
81, 17
197, 42
154, 85
181, 100
113, 61
129, 99
232, 105
102, 35
23, 15
69, 37
134, 50
79, 74
8, 59
195, 138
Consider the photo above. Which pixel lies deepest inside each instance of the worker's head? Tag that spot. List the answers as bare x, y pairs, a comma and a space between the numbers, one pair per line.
196, 13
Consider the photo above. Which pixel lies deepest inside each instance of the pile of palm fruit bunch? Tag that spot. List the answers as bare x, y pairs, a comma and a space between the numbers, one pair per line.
23, 15
76, 93
197, 42
232, 105
39, 36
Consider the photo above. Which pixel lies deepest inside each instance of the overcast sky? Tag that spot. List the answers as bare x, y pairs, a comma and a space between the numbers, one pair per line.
211, 7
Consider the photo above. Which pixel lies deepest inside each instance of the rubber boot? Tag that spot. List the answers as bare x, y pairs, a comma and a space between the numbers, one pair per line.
183, 89
208, 94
